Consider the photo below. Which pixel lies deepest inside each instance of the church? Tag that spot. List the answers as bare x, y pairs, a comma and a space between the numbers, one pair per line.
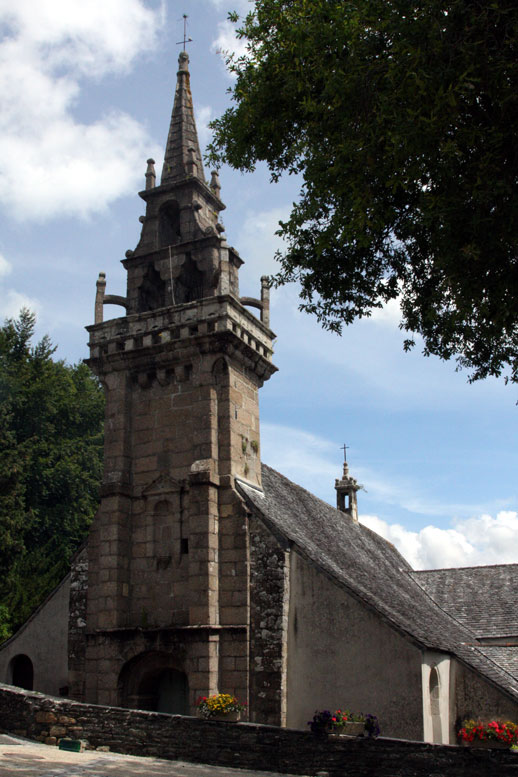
205, 570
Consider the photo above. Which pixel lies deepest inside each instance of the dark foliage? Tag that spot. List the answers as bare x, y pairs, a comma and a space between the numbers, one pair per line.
402, 119
51, 438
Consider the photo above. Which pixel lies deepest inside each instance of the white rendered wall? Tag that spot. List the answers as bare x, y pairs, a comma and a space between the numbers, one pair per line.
44, 639
438, 712
341, 653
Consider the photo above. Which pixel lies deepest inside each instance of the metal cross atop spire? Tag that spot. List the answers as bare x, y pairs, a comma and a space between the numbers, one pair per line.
185, 40
344, 449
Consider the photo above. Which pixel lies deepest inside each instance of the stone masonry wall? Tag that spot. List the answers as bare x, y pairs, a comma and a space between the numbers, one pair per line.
269, 597
77, 624
241, 745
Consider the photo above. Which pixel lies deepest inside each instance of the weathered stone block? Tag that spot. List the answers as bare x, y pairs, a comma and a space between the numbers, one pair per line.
57, 731
43, 716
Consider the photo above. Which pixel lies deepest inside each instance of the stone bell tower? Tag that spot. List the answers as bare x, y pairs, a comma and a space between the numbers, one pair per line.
168, 580
346, 489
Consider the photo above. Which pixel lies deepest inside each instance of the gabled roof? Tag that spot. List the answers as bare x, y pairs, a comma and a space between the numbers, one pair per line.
368, 567
482, 598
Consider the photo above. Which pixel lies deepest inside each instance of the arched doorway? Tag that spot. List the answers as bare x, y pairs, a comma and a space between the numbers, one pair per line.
435, 709
165, 691
21, 672
151, 682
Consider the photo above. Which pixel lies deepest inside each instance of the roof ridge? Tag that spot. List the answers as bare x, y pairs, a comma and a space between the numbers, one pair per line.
461, 569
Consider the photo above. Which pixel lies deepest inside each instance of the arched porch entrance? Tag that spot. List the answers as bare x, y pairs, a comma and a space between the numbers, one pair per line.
21, 672
151, 681
435, 708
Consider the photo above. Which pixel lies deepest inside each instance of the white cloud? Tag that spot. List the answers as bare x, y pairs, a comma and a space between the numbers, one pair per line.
226, 42
12, 302
5, 266
402, 492
311, 461
204, 115
389, 314
51, 163
258, 243
471, 542
94, 38
314, 461
301, 456
242, 6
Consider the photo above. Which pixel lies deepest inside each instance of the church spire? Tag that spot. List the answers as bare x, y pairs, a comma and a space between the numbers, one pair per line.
182, 156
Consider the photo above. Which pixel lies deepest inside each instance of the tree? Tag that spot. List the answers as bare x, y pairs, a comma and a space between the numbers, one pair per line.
51, 438
402, 119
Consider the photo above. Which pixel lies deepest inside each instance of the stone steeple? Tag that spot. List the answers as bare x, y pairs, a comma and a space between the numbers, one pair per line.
182, 254
346, 488
168, 565
182, 155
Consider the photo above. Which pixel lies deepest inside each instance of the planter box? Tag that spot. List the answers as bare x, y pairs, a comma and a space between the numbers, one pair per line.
349, 730
229, 717
488, 744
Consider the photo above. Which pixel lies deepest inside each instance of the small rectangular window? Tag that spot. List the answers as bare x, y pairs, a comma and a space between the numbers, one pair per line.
184, 545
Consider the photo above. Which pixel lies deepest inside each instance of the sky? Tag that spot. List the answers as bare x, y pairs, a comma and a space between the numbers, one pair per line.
86, 91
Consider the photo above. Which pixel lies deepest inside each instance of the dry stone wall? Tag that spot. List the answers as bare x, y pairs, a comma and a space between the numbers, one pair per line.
241, 745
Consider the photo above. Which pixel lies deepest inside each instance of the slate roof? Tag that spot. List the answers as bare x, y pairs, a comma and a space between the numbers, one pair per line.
507, 657
479, 597
369, 568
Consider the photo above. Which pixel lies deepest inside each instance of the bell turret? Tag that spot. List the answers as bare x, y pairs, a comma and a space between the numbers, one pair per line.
346, 490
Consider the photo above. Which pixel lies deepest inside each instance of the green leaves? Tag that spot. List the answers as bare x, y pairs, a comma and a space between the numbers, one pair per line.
402, 119
51, 440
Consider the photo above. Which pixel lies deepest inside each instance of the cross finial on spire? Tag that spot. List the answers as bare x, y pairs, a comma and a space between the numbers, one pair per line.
182, 155
185, 40
344, 449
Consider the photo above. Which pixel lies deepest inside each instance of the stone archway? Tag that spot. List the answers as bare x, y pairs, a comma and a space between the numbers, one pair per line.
151, 681
435, 706
21, 672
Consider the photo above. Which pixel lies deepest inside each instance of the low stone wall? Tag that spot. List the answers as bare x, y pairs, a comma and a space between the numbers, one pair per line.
243, 745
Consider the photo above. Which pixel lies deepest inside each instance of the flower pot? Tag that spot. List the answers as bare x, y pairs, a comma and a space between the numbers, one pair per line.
488, 744
231, 717
349, 729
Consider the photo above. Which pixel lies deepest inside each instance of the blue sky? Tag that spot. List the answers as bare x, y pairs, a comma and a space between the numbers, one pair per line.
86, 91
